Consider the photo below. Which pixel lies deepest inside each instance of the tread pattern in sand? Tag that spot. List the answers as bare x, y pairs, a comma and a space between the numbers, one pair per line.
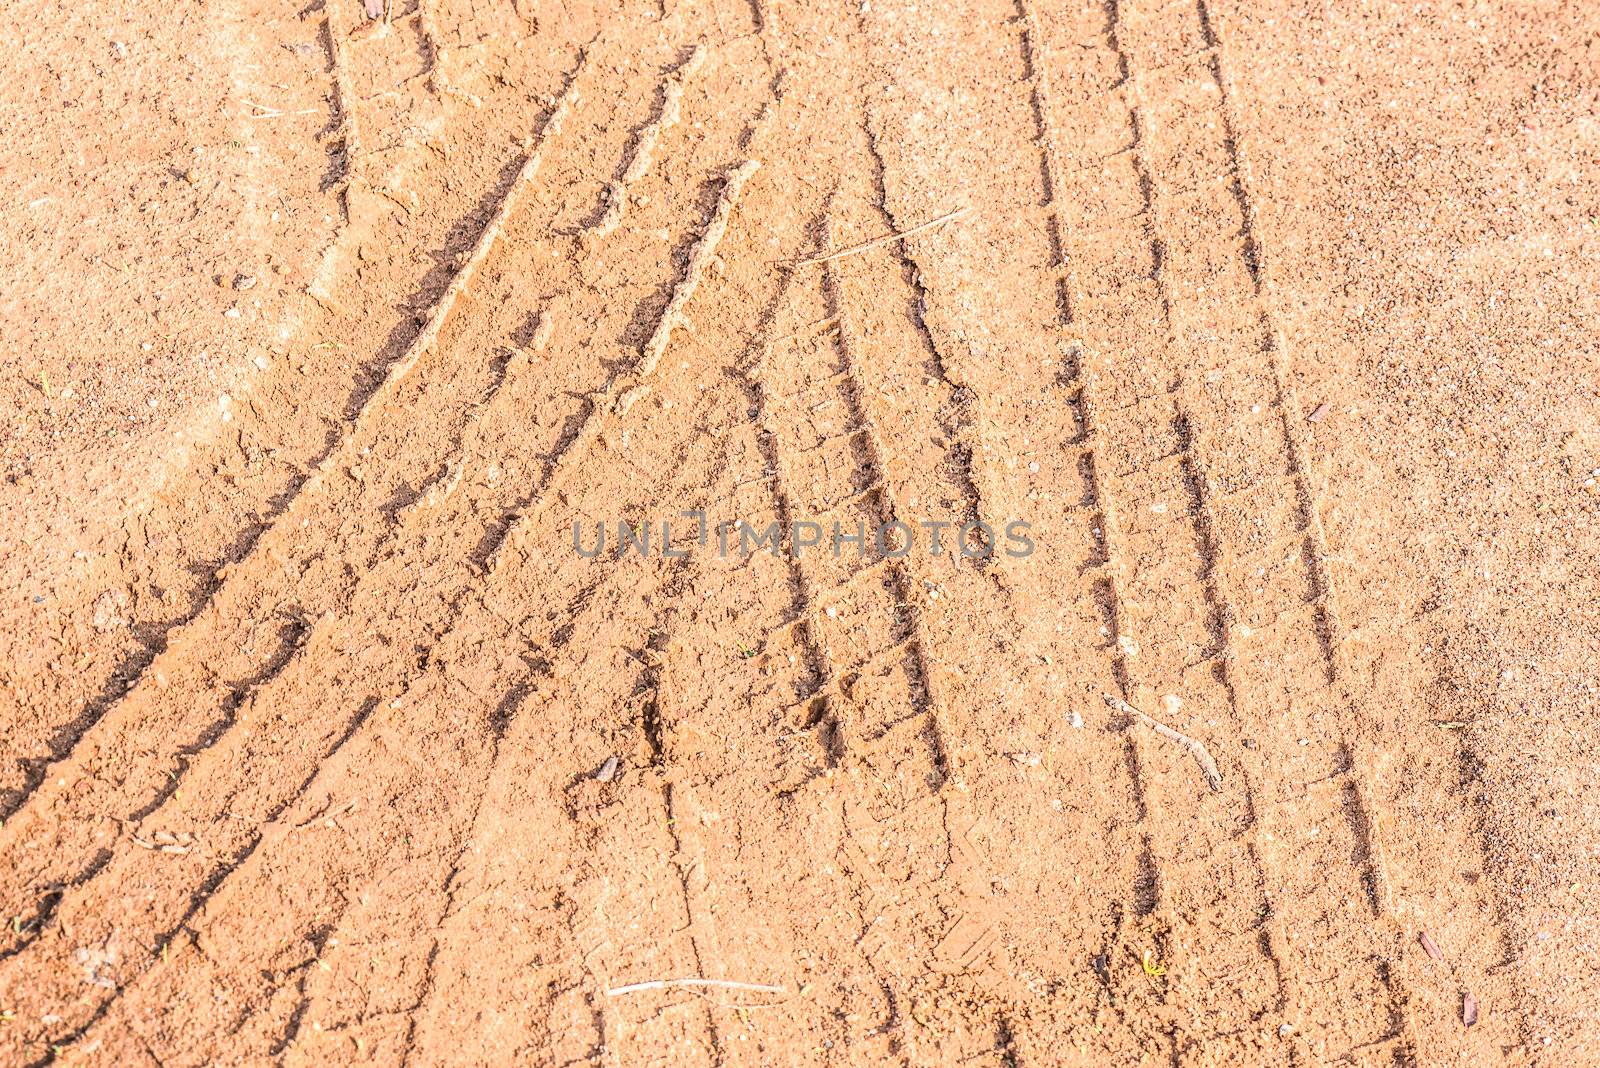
887, 783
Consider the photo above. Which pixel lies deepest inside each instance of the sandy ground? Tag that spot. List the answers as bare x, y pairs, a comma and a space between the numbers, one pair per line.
327, 741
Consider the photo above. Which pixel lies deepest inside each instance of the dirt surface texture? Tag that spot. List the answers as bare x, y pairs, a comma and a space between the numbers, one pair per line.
764, 532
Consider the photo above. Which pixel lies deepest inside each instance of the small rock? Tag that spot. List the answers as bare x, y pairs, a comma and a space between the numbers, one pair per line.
1429, 945
96, 960
608, 770
109, 611
242, 282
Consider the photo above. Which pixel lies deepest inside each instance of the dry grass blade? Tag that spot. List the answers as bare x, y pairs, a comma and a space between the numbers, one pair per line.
666, 984
867, 246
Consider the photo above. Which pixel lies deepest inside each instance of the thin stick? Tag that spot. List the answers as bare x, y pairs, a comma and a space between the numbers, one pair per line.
867, 246
265, 112
1207, 765
663, 984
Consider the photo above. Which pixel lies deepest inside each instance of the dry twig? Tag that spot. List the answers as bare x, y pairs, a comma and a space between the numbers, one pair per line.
867, 246
1195, 747
664, 984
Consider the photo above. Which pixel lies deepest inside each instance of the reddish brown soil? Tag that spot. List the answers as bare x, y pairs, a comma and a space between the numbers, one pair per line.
324, 745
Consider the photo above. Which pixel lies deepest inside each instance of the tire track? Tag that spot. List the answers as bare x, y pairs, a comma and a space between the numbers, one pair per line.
677, 737
959, 948
1273, 990
233, 922
1175, 860
609, 214
859, 733
261, 461
272, 544
455, 627
1188, 260
229, 479
674, 693
679, 572
474, 686
216, 744
1022, 705
1363, 797
621, 392
1163, 138
385, 396
721, 593
1079, 384
885, 762
379, 577
964, 405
